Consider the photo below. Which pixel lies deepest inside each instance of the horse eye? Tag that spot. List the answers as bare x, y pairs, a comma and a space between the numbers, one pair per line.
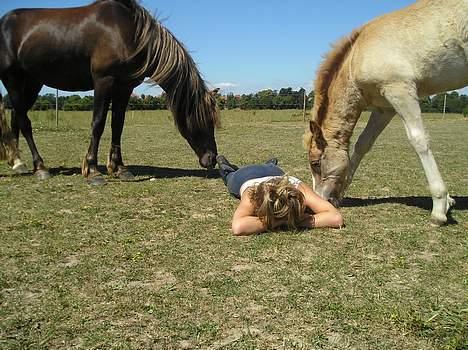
315, 164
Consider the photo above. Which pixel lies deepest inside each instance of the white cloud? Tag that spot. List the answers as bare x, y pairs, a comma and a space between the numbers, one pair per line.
226, 85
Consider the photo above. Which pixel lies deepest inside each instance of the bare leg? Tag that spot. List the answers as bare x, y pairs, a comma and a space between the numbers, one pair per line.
115, 164
102, 96
403, 98
378, 121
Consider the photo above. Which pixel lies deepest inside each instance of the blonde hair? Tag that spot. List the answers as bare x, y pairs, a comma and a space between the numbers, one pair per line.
277, 199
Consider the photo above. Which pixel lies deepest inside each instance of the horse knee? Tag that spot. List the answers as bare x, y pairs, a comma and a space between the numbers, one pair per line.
419, 141
361, 148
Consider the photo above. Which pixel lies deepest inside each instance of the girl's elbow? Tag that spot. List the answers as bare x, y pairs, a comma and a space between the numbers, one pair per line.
337, 220
237, 229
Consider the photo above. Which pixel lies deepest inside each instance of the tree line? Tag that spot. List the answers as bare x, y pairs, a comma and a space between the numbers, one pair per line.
85, 103
285, 98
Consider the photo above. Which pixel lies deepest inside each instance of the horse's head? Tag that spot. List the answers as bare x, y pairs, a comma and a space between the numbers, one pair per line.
328, 163
202, 135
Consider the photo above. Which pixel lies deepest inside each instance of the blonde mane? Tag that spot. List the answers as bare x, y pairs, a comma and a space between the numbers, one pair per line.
328, 71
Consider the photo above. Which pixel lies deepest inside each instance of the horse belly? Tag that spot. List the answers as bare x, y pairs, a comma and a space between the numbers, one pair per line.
446, 71
66, 75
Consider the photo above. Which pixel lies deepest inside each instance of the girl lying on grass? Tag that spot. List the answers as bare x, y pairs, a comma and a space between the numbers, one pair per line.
269, 200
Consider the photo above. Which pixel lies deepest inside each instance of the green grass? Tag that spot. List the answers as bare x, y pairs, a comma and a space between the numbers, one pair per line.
152, 264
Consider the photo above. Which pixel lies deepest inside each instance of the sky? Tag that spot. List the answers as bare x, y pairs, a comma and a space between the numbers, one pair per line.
244, 46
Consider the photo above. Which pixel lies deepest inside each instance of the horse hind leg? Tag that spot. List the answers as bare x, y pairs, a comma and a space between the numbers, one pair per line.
8, 145
403, 99
23, 92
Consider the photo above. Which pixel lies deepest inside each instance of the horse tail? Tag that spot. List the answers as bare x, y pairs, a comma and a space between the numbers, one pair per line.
8, 146
167, 63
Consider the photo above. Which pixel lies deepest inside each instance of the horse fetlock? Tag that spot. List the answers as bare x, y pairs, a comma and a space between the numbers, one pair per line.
111, 168
88, 167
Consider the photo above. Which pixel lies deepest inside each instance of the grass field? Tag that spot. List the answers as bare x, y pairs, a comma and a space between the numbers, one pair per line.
152, 264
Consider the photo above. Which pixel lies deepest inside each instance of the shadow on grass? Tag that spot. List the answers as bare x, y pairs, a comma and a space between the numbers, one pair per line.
169, 173
461, 203
147, 171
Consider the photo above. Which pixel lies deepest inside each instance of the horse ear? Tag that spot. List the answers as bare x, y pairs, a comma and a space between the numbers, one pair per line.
214, 92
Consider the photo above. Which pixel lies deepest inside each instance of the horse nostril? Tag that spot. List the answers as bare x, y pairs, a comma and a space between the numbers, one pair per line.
208, 160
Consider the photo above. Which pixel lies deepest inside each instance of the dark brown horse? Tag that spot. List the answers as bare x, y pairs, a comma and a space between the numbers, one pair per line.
110, 46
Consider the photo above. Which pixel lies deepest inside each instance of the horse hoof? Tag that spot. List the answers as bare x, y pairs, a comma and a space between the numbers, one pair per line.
42, 174
20, 168
437, 221
125, 175
96, 180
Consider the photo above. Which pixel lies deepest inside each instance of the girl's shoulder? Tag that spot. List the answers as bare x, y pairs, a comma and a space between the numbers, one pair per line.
294, 180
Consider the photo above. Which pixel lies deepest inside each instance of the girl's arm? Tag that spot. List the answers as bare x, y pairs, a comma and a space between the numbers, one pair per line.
324, 213
244, 221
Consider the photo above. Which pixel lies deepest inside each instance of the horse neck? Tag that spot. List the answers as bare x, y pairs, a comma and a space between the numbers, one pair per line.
174, 70
168, 64
187, 97
344, 109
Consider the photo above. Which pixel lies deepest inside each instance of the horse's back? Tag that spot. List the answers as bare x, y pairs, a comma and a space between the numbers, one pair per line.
426, 43
69, 41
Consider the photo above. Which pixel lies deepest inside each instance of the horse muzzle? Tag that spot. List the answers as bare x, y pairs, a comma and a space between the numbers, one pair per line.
208, 160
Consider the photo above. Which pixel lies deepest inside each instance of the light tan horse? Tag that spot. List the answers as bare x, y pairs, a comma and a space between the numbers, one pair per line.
387, 64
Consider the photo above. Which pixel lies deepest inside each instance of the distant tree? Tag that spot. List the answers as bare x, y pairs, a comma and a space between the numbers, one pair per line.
73, 103
454, 103
247, 102
285, 98
231, 101
310, 99
220, 101
265, 99
7, 101
426, 105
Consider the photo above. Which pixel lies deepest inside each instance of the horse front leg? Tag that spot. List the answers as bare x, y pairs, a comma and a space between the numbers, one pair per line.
102, 97
115, 165
378, 121
402, 97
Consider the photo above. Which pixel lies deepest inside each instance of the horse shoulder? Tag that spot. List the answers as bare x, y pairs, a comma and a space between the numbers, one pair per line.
118, 17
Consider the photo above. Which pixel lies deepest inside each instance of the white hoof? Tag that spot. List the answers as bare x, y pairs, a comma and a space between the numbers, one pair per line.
438, 220
19, 167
